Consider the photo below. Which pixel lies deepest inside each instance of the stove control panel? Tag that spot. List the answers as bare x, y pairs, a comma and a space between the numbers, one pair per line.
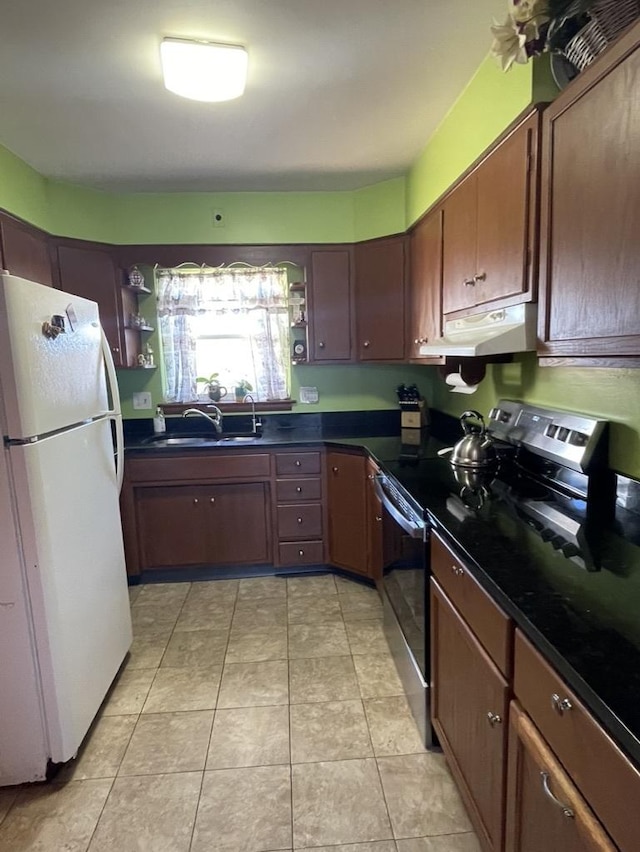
574, 440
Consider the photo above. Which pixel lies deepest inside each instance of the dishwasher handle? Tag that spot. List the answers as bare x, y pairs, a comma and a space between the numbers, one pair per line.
413, 526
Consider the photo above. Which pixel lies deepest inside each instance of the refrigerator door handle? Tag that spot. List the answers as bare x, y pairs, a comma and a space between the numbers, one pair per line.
115, 412
112, 381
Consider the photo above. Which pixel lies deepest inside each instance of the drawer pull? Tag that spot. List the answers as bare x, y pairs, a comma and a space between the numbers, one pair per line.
299, 520
567, 811
334, 469
457, 570
560, 704
298, 463
494, 719
195, 499
378, 517
481, 276
469, 282
301, 553
212, 500
298, 490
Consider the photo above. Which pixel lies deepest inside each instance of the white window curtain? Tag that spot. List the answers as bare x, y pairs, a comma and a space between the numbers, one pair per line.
258, 294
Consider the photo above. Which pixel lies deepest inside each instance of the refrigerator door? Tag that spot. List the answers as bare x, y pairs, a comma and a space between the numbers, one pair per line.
23, 750
68, 515
48, 382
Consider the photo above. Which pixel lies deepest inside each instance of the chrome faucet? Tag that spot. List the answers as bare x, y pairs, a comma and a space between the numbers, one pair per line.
255, 423
216, 420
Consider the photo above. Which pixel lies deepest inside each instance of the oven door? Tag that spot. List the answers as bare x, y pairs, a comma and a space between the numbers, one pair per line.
404, 594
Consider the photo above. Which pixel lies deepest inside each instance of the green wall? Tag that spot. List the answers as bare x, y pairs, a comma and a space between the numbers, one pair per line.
486, 106
608, 393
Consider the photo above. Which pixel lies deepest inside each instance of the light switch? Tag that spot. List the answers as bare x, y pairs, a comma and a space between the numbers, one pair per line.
142, 400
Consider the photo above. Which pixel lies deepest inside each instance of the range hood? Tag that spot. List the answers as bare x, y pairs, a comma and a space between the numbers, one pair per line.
497, 332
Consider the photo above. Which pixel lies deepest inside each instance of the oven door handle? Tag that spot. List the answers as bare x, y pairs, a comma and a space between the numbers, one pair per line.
412, 528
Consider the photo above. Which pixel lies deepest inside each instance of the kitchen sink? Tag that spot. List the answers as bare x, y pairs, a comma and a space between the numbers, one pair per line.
199, 440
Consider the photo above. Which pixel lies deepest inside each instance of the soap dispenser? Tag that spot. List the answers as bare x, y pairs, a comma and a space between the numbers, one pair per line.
159, 424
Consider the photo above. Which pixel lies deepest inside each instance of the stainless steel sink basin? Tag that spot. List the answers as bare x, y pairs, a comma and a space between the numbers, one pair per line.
183, 441
199, 440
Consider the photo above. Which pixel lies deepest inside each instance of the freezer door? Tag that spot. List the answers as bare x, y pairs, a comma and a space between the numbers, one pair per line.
48, 383
69, 519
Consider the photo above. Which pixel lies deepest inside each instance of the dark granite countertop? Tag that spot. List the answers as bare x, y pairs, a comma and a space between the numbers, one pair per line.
586, 623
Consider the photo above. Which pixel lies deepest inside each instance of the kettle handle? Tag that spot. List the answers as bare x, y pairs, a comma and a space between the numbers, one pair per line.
466, 415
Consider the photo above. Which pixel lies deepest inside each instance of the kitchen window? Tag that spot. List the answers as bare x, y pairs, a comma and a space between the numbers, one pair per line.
232, 321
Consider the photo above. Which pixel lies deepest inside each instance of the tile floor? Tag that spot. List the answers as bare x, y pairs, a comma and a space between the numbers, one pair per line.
252, 715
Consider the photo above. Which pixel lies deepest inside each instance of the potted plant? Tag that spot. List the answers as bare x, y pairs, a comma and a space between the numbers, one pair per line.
213, 387
242, 387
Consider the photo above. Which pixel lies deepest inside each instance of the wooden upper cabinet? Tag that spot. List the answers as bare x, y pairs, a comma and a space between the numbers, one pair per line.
330, 326
91, 273
490, 222
590, 232
347, 511
425, 287
380, 299
25, 251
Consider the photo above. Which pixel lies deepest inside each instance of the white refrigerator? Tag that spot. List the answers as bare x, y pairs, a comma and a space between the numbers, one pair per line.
65, 624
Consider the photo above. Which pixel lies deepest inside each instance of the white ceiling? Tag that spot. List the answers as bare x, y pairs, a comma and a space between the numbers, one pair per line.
340, 94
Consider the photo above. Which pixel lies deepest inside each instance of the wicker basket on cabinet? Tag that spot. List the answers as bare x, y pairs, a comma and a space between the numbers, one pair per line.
608, 18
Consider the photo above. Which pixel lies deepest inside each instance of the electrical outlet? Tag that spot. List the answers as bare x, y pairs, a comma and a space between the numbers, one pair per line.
218, 219
142, 400
309, 395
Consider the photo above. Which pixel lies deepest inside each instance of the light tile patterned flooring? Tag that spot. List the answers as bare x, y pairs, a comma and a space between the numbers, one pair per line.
252, 715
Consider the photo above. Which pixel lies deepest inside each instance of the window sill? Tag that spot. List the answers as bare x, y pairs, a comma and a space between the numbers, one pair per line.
229, 407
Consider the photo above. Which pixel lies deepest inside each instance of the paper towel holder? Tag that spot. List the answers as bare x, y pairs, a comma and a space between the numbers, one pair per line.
471, 370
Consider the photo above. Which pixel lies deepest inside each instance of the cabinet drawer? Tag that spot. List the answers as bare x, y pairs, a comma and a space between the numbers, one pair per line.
602, 773
296, 463
301, 553
303, 521
209, 467
298, 490
490, 624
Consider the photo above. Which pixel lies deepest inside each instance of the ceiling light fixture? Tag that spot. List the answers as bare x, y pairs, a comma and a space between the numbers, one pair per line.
202, 70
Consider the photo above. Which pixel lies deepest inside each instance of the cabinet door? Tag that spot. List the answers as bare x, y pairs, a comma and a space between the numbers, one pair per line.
425, 311
25, 251
347, 511
91, 273
590, 250
459, 247
545, 811
238, 524
380, 299
172, 525
505, 210
330, 305
469, 711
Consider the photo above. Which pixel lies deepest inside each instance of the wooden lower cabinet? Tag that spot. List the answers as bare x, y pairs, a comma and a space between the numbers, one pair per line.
346, 487
181, 525
545, 811
469, 711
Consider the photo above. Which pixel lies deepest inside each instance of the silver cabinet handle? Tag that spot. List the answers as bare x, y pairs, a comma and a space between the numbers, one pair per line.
469, 282
195, 499
560, 705
481, 276
321, 344
298, 463
299, 520
298, 490
567, 811
366, 344
457, 570
378, 517
301, 553
212, 499
334, 469
494, 719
